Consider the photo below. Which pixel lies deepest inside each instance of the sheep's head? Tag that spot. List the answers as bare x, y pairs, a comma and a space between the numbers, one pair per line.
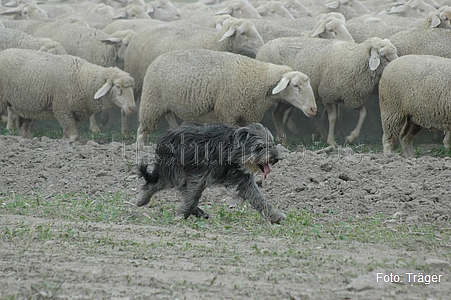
239, 9
241, 36
294, 87
297, 9
332, 28
27, 12
163, 10
120, 89
349, 8
274, 9
382, 51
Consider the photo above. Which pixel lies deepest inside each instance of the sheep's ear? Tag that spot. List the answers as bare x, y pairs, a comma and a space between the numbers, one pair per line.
332, 5
112, 41
435, 22
283, 83
228, 33
150, 9
104, 89
13, 11
120, 15
374, 60
224, 11
321, 28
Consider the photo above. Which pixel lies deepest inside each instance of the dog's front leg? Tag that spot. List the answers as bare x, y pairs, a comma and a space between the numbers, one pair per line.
248, 190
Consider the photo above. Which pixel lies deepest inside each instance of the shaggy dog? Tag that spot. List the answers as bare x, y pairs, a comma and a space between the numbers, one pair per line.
195, 156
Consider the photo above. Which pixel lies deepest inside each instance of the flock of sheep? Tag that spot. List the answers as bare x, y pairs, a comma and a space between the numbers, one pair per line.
231, 61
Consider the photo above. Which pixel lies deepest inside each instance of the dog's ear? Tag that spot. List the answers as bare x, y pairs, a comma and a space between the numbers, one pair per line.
241, 136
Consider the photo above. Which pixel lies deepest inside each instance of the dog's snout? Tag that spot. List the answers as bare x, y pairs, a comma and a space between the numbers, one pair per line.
276, 159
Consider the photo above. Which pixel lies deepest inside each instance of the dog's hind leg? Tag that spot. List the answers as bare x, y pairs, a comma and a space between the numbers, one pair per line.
248, 190
149, 190
191, 193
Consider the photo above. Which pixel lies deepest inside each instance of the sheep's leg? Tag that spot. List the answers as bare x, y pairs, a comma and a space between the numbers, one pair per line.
69, 126
142, 135
125, 123
332, 115
93, 125
10, 122
320, 132
388, 143
447, 140
356, 132
170, 117
23, 127
407, 134
191, 193
279, 116
340, 132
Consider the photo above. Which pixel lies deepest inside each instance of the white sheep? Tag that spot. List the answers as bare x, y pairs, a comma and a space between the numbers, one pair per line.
81, 41
431, 41
414, 93
131, 11
210, 86
237, 36
11, 38
163, 10
412, 9
136, 25
28, 11
331, 26
297, 9
62, 87
439, 18
239, 9
349, 8
339, 72
274, 9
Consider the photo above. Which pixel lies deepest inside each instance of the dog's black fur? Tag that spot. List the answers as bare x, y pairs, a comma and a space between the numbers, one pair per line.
195, 156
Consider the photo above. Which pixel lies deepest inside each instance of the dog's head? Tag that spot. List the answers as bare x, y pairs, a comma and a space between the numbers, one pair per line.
254, 149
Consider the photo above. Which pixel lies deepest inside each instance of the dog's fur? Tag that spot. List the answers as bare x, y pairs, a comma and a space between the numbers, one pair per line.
195, 156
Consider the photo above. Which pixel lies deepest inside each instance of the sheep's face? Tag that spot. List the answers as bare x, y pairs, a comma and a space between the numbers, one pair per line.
295, 88
297, 9
381, 54
123, 96
163, 11
349, 8
244, 38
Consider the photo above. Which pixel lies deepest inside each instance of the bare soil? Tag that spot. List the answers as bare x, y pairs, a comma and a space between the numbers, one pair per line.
335, 186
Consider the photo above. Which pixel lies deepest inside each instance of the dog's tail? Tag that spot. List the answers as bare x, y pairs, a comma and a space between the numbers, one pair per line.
150, 177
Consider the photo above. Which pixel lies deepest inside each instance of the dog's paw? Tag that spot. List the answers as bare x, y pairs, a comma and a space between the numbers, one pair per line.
199, 213
277, 217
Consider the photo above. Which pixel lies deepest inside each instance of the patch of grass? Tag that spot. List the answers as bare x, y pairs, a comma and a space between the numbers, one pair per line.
299, 226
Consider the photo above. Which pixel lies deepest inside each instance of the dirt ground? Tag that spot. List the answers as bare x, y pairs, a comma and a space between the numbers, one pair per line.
335, 185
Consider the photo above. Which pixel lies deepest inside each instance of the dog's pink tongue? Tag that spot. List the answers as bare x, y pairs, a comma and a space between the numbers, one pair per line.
266, 170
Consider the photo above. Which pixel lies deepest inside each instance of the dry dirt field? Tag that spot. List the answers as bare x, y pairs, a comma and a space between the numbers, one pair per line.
359, 226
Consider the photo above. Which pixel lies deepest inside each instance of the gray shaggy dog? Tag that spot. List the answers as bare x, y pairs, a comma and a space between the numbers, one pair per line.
195, 156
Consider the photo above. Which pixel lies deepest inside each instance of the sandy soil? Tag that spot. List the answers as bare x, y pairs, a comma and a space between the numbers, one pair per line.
336, 185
